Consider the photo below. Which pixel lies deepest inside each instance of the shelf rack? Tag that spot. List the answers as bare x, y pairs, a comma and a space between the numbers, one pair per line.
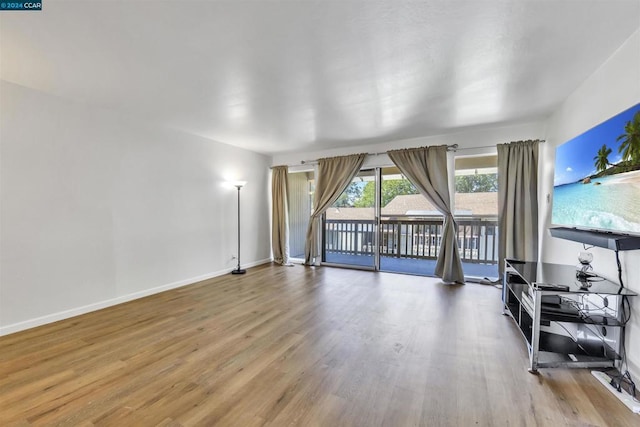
589, 334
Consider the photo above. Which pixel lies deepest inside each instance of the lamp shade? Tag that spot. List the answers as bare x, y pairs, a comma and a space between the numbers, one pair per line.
238, 184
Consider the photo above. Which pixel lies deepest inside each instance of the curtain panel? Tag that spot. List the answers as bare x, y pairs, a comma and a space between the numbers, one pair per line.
334, 176
426, 168
280, 214
517, 201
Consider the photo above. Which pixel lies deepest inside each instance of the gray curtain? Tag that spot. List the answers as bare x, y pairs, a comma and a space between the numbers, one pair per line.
517, 201
334, 176
280, 215
426, 168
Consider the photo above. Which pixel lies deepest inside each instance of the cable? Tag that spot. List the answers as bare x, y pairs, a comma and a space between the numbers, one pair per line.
606, 311
632, 385
618, 379
619, 376
585, 315
623, 376
623, 363
619, 268
626, 310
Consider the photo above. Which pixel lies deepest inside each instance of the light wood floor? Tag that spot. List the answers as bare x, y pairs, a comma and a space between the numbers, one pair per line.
295, 346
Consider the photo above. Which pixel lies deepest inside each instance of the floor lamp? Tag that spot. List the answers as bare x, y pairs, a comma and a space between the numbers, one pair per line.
239, 185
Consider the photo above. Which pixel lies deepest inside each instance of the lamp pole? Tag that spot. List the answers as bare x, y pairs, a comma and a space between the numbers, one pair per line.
238, 270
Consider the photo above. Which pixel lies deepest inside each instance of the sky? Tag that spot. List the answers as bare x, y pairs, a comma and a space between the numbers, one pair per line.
574, 158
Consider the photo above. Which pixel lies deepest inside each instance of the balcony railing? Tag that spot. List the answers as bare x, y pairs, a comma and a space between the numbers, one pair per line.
417, 238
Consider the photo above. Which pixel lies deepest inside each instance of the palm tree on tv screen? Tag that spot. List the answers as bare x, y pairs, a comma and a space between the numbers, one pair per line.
602, 158
630, 146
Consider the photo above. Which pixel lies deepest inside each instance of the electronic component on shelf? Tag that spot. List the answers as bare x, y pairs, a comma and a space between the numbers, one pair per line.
563, 310
550, 299
551, 287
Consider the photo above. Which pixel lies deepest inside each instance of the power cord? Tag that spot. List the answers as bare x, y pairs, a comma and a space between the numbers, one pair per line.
619, 268
623, 356
624, 366
617, 379
620, 381
605, 309
488, 282
626, 309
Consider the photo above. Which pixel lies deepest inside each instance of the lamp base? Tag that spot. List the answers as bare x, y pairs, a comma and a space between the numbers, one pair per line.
238, 271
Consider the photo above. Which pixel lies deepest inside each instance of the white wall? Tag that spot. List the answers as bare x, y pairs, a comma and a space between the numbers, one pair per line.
614, 87
470, 142
96, 208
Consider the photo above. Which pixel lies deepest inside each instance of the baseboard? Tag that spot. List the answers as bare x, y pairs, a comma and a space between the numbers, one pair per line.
66, 314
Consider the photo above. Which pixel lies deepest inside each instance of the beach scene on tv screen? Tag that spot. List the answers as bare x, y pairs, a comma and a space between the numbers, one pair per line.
597, 177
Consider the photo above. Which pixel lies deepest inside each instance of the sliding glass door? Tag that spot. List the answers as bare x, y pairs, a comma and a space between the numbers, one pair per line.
404, 237
476, 213
382, 222
410, 227
349, 231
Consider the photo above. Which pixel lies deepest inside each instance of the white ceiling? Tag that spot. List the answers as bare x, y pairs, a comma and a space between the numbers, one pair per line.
278, 76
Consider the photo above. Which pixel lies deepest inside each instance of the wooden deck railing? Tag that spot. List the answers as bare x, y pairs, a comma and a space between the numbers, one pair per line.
417, 238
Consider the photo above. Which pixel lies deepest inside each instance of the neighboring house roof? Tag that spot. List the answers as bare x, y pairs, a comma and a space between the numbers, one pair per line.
483, 204
350, 213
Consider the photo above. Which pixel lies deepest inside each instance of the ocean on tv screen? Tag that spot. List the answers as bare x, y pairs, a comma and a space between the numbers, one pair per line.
610, 203
597, 177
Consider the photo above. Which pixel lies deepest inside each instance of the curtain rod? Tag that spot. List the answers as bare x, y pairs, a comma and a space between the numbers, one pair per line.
495, 145
453, 147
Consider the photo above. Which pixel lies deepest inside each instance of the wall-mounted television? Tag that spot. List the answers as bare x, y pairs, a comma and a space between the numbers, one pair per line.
597, 177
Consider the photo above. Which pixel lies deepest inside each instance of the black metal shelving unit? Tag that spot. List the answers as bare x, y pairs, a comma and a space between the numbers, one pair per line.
584, 329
